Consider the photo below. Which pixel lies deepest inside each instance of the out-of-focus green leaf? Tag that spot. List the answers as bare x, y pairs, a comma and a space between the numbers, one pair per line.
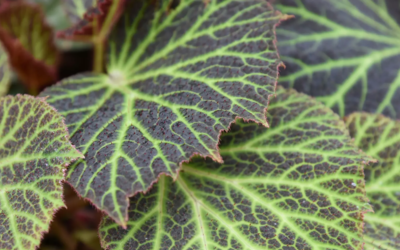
77, 9
29, 43
346, 53
5, 72
379, 137
92, 19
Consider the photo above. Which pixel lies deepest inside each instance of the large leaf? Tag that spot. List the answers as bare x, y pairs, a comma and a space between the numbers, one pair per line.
176, 79
296, 185
29, 42
5, 73
34, 151
380, 137
346, 53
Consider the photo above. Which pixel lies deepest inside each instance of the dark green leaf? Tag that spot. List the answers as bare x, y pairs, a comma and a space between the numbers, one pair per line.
34, 153
176, 79
296, 185
345, 53
379, 137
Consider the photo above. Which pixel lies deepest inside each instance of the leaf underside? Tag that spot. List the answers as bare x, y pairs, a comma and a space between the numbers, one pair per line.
345, 53
29, 43
5, 73
34, 151
176, 79
296, 185
379, 137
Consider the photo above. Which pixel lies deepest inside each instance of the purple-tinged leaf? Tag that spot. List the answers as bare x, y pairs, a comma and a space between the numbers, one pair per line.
296, 185
176, 79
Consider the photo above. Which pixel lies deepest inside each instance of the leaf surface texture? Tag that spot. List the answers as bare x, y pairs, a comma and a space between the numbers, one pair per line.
34, 153
297, 185
176, 78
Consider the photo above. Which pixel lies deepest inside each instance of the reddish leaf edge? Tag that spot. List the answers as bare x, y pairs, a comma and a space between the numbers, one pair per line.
67, 136
83, 30
281, 17
21, 60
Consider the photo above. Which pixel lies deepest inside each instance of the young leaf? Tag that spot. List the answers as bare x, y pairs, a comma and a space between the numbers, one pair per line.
346, 53
298, 184
34, 151
95, 26
4, 72
77, 9
380, 137
29, 42
93, 19
176, 79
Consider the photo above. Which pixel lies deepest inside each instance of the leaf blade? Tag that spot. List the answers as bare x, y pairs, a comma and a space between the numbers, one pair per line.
28, 40
77, 9
34, 152
343, 52
151, 120
93, 20
291, 185
5, 73
378, 136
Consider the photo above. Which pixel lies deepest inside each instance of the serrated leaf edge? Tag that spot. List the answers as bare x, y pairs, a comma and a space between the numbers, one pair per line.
43, 100
281, 17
